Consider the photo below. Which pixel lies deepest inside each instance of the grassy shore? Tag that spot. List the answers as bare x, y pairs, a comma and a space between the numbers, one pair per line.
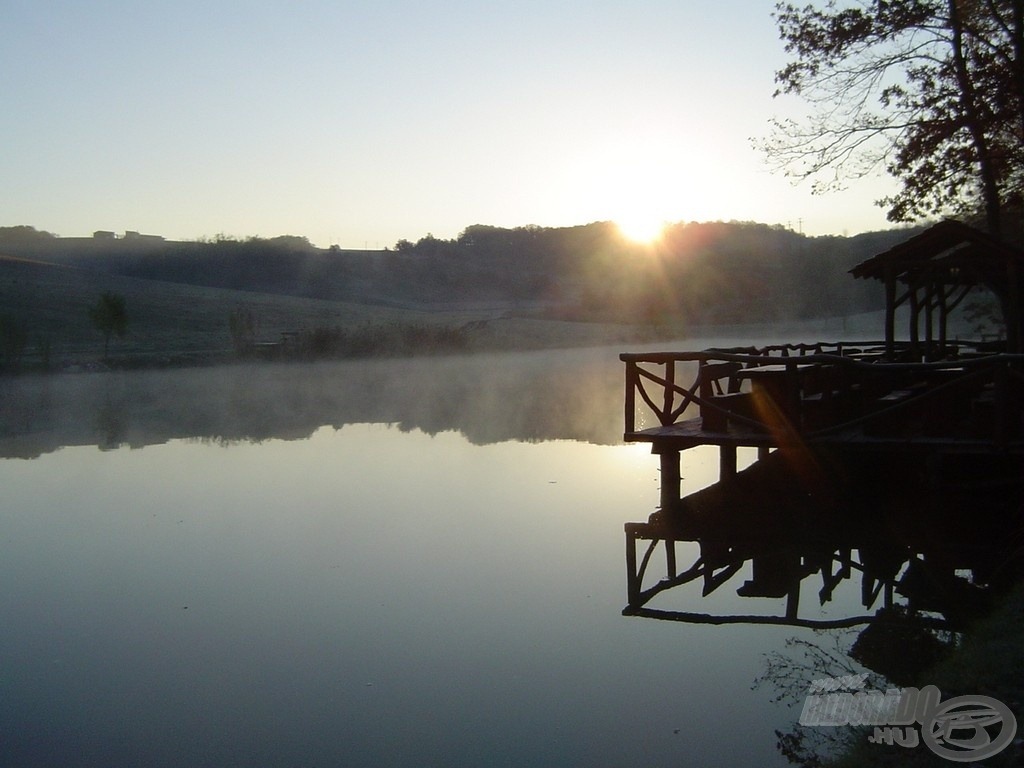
988, 661
172, 324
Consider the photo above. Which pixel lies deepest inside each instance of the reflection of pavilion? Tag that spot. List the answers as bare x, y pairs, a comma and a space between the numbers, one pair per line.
893, 450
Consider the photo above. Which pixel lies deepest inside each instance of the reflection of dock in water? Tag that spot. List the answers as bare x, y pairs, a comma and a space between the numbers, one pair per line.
769, 536
898, 463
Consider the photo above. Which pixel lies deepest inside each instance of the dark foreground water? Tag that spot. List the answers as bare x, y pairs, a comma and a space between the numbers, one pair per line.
387, 564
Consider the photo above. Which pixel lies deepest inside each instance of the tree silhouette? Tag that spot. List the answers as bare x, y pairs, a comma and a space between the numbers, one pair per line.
109, 317
244, 327
930, 90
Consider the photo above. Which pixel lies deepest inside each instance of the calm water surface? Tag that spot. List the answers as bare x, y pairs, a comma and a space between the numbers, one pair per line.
337, 566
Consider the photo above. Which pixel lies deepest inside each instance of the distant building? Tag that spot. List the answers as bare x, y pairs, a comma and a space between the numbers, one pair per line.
133, 235
103, 234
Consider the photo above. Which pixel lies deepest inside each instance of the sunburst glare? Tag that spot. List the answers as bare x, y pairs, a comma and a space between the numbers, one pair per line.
640, 229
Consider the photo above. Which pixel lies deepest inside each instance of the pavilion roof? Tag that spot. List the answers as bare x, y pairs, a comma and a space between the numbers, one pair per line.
951, 250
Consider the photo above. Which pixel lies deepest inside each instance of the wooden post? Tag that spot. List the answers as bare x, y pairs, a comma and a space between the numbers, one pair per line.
944, 310
669, 398
1001, 412
726, 462
793, 600
670, 479
1011, 309
915, 318
632, 578
929, 331
670, 558
632, 379
890, 311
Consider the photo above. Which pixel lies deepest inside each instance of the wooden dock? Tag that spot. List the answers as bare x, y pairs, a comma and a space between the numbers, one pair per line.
859, 444
865, 467
825, 397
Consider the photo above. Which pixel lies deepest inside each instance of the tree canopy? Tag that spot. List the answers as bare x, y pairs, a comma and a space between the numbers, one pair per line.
109, 316
931, 91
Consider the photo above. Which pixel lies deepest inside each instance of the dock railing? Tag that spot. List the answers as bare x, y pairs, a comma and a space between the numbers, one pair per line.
825, 389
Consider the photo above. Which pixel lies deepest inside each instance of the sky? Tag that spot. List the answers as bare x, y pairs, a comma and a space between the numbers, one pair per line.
362, 123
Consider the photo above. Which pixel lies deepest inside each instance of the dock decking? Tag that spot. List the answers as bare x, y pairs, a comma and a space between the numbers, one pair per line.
833, 396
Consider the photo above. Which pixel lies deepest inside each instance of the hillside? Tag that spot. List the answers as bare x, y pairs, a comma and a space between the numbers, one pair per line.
489, 288
174, 323
695, 269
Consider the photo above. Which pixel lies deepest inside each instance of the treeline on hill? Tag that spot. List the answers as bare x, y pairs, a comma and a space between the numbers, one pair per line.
697, 273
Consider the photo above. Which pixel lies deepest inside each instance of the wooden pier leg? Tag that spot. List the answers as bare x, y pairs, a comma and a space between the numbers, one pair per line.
762, 452
670, 558
632, 577
793, 601
670, 479
1002, 406
726, 462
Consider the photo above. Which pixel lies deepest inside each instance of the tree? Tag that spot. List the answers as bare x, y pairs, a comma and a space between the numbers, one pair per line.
23, 234
244, 327
930, 90
109, 317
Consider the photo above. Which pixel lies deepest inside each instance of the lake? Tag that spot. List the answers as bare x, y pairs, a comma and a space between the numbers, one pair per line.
384, 563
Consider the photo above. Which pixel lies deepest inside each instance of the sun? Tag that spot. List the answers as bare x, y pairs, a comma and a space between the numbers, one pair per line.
640, 181
640, 229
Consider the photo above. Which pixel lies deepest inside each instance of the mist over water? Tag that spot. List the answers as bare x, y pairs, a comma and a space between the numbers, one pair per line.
574, 394
568, 394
